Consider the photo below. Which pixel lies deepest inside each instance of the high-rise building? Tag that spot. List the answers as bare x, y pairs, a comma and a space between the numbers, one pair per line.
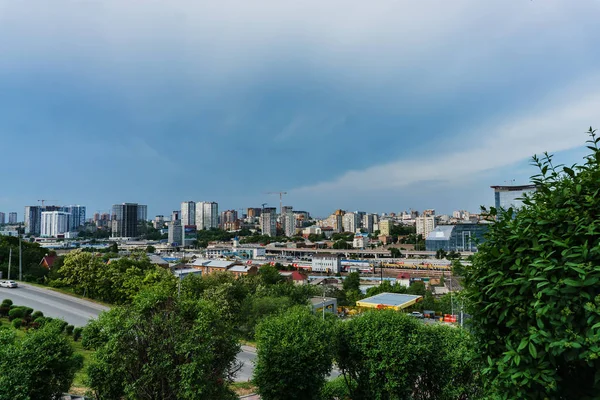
253, 212
229, 220
288, 221
125, 220
2, 218
429, 213
96, 217
175, 235
510, 196
350, 222
367, 223
12, 217
188, 213
142, 213
385, 227
207, 215
33, 217
268, 222
425, 225
54, 223
175, 215
338, 224
159, 222
76, 217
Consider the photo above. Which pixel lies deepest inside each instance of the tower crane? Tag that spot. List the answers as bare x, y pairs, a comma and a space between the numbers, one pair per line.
44, 200
280, 199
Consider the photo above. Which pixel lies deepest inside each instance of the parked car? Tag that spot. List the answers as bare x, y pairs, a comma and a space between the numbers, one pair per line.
416, 314
8, 284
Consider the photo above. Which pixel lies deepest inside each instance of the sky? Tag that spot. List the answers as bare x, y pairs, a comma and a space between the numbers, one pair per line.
378, 106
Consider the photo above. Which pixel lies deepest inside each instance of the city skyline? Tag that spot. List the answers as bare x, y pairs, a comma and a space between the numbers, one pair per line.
361, 109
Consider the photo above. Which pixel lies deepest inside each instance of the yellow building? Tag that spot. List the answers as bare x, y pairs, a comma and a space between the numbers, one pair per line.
385, 227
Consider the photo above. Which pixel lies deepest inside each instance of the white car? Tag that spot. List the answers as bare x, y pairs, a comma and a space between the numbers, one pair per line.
8, 284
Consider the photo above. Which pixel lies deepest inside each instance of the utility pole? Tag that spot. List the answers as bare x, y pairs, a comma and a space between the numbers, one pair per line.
9, 261
20, 259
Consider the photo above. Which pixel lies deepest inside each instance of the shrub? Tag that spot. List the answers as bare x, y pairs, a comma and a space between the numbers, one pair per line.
69, 329
37, 315
4, 310
40, 321
336, 389
7, 303
17, 312
17, 322
77, 333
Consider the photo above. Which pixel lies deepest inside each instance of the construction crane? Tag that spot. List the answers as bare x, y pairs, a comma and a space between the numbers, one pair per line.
44, 200
280, 199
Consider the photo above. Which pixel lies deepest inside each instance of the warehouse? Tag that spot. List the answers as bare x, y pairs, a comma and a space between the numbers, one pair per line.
392, 301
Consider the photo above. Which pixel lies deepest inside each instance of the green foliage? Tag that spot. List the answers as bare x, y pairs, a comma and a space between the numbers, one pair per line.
386, 287
117, 282
294, 356
7, 303
388, 355
341, 244
351, 282
17, 312
17, 322
257, 308
337, 389
395, 252
536, 284
69, 329
40, 366
162, 347
269, 275
150, 249
36, 315
77, 333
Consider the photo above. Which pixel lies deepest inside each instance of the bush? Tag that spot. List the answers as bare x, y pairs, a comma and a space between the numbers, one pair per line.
77, 333
17, 322
336, 389
63, 325
535, 283
7, 303
69, 329
4, 310
37, 315
17, 312
40, 321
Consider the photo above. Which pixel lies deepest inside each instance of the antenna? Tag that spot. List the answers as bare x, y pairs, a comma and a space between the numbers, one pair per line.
45, 200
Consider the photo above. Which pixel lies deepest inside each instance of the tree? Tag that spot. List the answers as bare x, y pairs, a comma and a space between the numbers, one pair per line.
440, 254
150, 249
162, 347
294, 356
42, 365
269, 275
351, 282
341, 244
395, 252
380, 359
535, 282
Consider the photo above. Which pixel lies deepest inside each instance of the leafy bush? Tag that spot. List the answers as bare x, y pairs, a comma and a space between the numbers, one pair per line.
77, 333
336, 389
69, 329
536, 284
17, 312
7, 303
17, 322
36, 315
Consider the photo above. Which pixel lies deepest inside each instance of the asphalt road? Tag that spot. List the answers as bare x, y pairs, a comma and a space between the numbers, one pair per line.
78, 312
75, 311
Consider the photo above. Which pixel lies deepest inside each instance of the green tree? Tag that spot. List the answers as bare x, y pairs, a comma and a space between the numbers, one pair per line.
341, 244
381, 358
269, 275
294, 356
162, 347
535, 283
42, 365
395, 252
114, 248
150, 249
351, 282
440, 254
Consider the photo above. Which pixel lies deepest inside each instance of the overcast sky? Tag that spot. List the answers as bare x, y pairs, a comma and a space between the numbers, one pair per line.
377, 106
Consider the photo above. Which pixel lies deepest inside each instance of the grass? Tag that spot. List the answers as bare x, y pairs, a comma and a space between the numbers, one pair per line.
243, 388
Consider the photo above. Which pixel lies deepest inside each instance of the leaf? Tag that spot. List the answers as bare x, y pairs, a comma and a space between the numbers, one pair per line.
523, 344
532, 350
573, 282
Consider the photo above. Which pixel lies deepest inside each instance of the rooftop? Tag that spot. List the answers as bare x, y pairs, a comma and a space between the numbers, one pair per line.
390, 300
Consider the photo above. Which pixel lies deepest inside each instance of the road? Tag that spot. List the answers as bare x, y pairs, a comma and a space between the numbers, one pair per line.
75, 311
78, 312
